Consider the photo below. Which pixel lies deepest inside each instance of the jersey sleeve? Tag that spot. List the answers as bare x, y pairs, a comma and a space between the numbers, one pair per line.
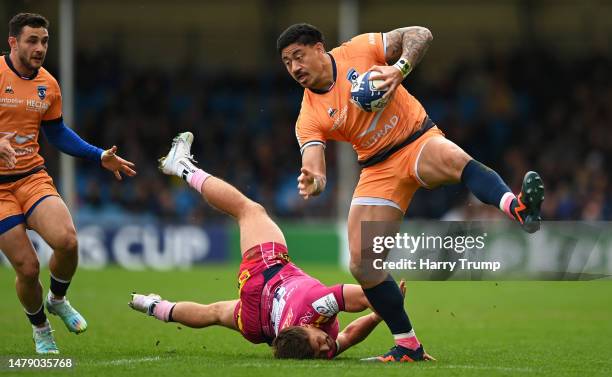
307, 131
329, 300
370, 45
338, 292
55, 110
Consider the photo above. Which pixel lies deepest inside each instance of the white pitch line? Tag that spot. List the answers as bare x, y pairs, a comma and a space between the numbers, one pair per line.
128, 361
429, 365
482, 367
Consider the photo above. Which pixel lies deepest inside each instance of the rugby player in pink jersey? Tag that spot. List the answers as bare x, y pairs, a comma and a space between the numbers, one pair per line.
278, 303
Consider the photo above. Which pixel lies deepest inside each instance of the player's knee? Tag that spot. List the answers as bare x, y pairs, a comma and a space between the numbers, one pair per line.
357, 270
454, 160
253, 209
28, 270
67, 241
366, 275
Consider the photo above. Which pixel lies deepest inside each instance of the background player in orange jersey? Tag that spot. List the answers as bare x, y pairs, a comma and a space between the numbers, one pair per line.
30, 101
399, 149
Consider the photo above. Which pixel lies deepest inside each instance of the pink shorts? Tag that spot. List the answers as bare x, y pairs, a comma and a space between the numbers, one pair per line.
251, 282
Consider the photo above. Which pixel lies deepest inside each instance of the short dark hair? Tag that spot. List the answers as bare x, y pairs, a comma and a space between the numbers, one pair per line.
305, 34
292, 343
17, 23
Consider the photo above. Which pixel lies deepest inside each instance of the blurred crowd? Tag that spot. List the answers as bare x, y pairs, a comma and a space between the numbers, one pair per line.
528, 110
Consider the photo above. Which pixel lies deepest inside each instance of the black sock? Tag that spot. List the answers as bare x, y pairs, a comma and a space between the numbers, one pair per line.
59, 288
387, 300
484, 183
37, 318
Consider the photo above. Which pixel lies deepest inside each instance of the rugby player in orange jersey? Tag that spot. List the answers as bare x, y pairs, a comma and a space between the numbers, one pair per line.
31, 101
399, 149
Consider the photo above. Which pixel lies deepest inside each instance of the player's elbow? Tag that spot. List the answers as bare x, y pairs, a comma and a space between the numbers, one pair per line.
425, 34
421, 33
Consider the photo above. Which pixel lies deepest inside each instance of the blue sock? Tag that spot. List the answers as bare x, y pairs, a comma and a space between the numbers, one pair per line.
485, 184
387, 300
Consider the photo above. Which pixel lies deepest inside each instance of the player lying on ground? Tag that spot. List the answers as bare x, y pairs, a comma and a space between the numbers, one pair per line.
279, 304
399, 148
32, 102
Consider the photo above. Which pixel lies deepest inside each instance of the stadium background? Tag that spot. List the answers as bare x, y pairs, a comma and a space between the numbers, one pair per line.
519, 84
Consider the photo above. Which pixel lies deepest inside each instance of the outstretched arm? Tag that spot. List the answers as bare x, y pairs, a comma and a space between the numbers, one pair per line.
359, 329
312, 179
67, 141
405, 48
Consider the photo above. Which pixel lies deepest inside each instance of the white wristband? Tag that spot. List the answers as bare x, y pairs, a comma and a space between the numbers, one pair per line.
403, 66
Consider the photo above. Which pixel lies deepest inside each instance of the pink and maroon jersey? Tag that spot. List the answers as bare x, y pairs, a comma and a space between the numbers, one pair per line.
293, 298
289, 298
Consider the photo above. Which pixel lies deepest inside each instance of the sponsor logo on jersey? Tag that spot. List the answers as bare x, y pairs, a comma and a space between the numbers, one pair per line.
288, 319
21, 139
277, 308
38, 106
331, 112
306, 318
9, 90
340, 118
373, 124
326, 306
10, 102
352, 75
42, 91
378, 134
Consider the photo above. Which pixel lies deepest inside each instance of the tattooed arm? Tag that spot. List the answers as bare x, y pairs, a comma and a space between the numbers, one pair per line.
405, 49
409, 43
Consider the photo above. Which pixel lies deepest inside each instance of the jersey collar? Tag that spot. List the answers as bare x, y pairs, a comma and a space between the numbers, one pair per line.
335, 73
12, 67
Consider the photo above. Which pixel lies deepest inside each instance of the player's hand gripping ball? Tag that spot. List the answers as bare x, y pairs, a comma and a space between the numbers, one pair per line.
366, 92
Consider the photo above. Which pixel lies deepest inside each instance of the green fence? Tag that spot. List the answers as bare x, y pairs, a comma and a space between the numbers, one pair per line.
308, 243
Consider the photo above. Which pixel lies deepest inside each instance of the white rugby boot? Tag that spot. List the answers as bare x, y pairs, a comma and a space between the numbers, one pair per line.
179, 161
144, 304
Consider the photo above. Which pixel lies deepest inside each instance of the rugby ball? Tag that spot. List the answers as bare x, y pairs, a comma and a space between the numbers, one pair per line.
366, 93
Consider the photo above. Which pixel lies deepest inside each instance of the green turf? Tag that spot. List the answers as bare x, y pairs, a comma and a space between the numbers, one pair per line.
473, 328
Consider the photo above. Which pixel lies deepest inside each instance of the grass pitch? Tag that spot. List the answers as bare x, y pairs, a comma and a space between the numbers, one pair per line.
472, 328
